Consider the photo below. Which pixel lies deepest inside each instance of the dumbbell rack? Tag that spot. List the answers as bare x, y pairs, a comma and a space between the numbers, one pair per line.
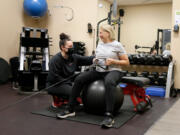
170, 79
170, 76
168, 67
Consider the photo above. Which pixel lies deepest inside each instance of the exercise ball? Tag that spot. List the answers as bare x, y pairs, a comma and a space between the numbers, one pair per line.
94, 98
4, 71
35, 8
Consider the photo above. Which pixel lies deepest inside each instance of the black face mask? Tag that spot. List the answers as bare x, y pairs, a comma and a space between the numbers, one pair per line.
70, 51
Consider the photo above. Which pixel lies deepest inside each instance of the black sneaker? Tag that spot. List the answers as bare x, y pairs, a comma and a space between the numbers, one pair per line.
66, 113
108, 121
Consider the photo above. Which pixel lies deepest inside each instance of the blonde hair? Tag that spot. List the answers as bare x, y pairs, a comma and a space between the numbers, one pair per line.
108, 28
168, 46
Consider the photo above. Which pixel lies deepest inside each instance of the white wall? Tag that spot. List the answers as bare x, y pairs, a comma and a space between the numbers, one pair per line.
175, 45
13, 19
140, 24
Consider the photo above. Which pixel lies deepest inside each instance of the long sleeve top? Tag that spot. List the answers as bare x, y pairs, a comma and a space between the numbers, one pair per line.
61, 68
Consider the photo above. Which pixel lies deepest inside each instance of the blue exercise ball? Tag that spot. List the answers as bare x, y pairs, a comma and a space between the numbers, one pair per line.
35, 8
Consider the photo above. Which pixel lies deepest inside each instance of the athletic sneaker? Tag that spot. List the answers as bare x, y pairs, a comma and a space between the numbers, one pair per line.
66, 113
108, 121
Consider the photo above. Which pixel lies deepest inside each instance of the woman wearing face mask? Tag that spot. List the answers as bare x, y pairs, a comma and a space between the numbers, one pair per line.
62, 66
110, 56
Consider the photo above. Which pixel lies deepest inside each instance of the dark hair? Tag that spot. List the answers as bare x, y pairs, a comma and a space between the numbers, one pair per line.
63, 39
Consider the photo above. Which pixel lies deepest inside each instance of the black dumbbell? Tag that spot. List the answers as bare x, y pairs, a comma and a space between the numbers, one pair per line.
164, 74
155, 74
159, 60
132, 73
135, 58
162, 79
167, 59
141, 59
138, 59
144, 74
153, 77
145, 59
130, 56
125, 72
151, 60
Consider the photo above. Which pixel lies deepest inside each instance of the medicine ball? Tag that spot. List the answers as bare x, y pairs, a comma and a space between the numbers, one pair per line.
35, 8
94, 98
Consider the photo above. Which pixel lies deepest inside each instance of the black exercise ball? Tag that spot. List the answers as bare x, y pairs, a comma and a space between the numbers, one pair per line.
94, 98
4, 71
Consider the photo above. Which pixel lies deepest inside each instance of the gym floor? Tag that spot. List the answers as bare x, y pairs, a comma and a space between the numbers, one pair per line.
18, 120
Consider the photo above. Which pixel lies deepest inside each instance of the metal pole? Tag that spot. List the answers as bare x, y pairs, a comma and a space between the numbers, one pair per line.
119, 25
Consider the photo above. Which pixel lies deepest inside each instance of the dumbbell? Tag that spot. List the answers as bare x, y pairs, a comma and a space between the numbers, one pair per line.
135, 58
167, 59
164, 74
162, 79
141, 58
155, 74
125, 72
144, 74
145, 59
153, 77
150, 60
138, 59
130, 57
132, 73
159, 60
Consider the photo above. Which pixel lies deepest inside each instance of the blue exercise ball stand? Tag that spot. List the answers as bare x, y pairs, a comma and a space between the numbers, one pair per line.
35, 8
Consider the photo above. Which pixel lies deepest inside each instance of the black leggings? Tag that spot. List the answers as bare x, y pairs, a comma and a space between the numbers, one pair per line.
63, 90
111, 79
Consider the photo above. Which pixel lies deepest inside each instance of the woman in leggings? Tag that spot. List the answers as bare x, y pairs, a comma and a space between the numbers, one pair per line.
63, 66
110, 56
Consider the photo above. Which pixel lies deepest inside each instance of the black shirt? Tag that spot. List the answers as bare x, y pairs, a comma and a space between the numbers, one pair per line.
61, 68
